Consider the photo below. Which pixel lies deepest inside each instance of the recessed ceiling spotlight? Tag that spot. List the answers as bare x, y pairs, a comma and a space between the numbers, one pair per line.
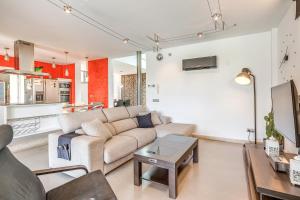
67, 9
126, 40
200, 35
216, 16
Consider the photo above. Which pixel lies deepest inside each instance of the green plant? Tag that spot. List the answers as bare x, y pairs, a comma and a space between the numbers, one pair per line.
270, 128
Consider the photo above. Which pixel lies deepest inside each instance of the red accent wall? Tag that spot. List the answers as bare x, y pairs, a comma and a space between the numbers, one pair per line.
98, 81
10, 63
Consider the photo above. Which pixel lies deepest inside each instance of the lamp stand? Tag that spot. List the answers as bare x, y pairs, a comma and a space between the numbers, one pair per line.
255, 109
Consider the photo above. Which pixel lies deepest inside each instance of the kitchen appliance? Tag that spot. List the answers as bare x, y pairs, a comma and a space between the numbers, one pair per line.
65, 90
34, 91
51, 91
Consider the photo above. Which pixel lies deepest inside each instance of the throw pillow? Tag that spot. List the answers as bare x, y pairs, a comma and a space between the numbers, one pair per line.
155, 118
97, 129
145, 121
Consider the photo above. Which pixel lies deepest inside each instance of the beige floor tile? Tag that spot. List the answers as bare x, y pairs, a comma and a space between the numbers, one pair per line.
218, 175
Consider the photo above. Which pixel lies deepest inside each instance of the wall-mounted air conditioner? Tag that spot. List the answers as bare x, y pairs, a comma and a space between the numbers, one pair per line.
199, 63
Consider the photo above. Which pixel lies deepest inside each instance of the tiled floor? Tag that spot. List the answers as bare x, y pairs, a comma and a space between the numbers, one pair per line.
218, 175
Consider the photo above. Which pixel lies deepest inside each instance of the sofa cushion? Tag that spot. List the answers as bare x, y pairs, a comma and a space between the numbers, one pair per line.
145, 121
155, 118
118, 147
96, 128
174, 128
135, 110
110, 128
142, 135
115, 114
70, 122
123, 125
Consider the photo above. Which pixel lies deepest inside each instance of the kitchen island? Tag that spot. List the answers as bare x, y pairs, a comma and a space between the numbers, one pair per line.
30, 119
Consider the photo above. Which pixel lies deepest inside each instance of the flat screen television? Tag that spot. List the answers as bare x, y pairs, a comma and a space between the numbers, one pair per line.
286, 111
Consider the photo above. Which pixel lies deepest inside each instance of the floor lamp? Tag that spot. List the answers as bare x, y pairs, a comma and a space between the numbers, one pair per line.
244, 78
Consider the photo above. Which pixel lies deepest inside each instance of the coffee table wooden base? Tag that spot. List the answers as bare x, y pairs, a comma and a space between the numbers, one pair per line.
167, 175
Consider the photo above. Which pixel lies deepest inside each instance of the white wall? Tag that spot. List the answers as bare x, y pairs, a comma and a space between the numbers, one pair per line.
78, 95
289, 36
81, 89
210, 98
117, 86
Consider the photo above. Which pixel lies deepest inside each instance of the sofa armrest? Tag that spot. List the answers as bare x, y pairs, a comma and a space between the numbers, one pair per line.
85, 150
165, 119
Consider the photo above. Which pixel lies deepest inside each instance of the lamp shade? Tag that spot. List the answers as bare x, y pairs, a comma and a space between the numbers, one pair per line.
243, 78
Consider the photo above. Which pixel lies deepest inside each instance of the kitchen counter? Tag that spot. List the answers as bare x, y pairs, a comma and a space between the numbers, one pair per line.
30, 104
28, 119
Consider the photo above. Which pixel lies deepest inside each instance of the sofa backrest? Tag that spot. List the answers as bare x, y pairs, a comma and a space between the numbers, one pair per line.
116, 114
135, 110
70, 122
120, 119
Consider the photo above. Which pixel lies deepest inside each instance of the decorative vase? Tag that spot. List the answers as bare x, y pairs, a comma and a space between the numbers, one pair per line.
295, 170
272, 147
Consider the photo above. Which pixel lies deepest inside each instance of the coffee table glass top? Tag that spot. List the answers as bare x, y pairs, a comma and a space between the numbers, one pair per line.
169, 148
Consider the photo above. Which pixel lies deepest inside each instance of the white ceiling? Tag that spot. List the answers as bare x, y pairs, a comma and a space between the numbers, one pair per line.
54, 31
123, 68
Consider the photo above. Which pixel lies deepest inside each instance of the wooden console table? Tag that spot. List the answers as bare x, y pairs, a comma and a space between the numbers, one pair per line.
263, 182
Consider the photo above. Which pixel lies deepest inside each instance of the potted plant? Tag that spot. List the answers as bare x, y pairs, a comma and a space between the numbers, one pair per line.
271, 131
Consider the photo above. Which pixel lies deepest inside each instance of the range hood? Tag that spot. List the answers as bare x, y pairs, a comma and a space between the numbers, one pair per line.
24, 60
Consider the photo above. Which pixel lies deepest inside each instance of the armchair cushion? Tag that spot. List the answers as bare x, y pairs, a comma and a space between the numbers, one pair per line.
17, 181
91, 186
6, 136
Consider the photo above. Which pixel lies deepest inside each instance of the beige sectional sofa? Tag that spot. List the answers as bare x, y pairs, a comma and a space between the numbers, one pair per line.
96, 154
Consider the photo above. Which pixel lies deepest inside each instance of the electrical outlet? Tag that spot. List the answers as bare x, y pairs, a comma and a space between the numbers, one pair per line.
250, 130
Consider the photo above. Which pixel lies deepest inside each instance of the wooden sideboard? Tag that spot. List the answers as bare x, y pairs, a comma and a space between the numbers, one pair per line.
263, 182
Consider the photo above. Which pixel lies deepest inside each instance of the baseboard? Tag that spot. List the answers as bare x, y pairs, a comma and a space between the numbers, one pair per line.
205, 137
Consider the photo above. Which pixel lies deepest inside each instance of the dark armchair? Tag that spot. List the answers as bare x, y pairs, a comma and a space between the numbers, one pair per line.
17, 182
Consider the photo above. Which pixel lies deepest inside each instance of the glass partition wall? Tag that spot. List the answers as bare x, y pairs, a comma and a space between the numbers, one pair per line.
126, 76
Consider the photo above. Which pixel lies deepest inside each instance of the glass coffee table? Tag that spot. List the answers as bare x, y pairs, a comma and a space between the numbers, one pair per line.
166, 155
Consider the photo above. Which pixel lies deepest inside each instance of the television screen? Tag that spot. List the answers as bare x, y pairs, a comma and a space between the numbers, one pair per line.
286, 111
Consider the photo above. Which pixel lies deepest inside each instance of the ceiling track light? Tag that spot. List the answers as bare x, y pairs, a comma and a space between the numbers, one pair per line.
217, 17
68, 9
85, 18
53, 63
125, 41
6, 56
